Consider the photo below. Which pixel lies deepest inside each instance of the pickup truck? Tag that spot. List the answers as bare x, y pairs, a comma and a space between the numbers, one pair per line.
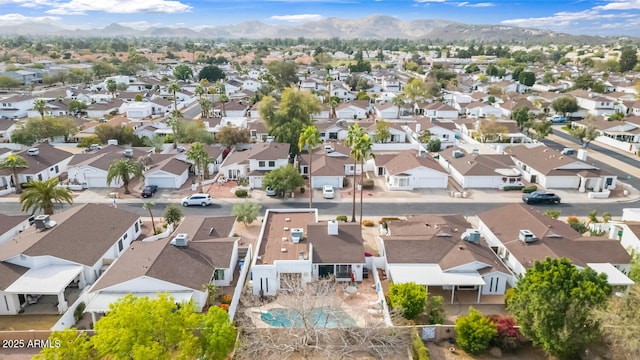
557, 119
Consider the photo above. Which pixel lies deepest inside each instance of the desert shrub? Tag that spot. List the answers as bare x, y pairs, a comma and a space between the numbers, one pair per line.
513, 187
577, 225
435, 310
226, 299
418, 350
224, 307
529, 189
553, 213
241, 193
302, 190
509, 337
367, 184
342, 218
387, 219
367, 223
78, 313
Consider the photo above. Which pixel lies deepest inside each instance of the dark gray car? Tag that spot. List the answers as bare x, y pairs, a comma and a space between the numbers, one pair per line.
540, 197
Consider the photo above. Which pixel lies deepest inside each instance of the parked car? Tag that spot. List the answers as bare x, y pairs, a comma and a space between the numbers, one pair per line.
328, 192
558, 119
541, 197
197, 199
568, 151
149, 190
270, 192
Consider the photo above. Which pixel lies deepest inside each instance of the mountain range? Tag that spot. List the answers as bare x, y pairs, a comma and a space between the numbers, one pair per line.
371, 27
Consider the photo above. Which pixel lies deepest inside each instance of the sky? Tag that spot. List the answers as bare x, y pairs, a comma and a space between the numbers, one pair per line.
590, 17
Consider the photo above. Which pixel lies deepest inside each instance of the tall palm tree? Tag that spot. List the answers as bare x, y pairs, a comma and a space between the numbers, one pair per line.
199, 91
364, 152
175, 124
311, 138
41, 195
173, 88
205, 107
148, 205
40, 105
354, 133
199, 156
398, 101
14, 162
124, 170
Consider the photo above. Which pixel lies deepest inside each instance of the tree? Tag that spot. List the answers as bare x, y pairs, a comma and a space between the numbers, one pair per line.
474, 332
291, 117
364, 151
173, 88
183, 72
283, 72
211, 73
14, 162
67, 344
310, 138
40, 106
435, 310
218, 334
7, 82
620, 324
382, 131
148, 205
628, 58
205, 107
521, 116
112, 87
553, 302
77, 107
124, 170
172, 214
354, 133
424, 137
41, 196
565, 105
527, 78
200, 159
434, 145
634, 271
408, 298
398, 101
491, 130
230, 136
246, 212
542, 129
177, 127
283, 179
585, 134
415, 89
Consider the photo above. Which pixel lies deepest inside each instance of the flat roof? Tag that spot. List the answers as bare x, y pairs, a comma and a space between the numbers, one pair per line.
101, 302
50, 279
432, 276
276, 241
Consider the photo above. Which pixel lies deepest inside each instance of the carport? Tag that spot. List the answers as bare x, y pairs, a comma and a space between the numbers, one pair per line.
101, 302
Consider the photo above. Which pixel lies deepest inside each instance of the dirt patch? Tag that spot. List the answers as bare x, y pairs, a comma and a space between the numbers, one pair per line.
28, 322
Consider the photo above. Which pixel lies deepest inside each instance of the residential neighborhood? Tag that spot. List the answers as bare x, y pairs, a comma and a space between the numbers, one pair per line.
252, 189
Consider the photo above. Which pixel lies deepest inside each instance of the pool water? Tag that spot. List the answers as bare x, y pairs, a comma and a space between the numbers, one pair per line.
320, 317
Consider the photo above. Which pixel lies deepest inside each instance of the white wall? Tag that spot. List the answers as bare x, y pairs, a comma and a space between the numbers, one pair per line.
9, 304
499, 282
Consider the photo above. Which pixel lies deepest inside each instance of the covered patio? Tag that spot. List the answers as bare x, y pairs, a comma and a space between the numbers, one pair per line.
434, 276
100, 304
47, 284
614, 276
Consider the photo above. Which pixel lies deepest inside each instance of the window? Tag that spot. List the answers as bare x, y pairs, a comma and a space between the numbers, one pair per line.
120, 246
29, 178
218, 274
40, 177
261, 164
125, 237
57, 169
272, 163
137, 226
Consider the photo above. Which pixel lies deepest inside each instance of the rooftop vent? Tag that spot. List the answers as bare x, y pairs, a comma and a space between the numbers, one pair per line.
128, 153
181, 240
527, 236
43, 222
458, 154
33, 151
332, 227
296, 235
471, 235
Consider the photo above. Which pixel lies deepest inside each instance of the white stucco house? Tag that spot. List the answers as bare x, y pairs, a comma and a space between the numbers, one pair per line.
255, 161
407, 171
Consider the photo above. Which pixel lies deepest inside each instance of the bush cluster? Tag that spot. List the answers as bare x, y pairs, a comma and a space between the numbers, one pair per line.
241, 193
418, 349
513, 187
342, 218
367, 223
529, 189
367, 184
226, 299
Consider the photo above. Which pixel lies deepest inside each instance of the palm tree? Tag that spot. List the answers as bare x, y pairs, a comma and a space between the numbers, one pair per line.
124, 170
199, 91
311, 138
14, 162
148, 205
224, 99
41, 195
205, 107
174, 123
333, 103
398, 101
355, 132
364, 152
40, 105
199, 156
173, 88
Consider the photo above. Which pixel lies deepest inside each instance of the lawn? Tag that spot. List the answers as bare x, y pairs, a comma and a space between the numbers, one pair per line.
28, 322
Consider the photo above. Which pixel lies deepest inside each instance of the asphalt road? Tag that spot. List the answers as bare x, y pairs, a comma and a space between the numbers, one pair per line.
622, 175
344, 208
192, 111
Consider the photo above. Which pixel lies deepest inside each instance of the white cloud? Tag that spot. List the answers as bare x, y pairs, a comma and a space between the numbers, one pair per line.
17, 19
297, 18
620, 5
430, 1
81, 7
556, 20
476, 5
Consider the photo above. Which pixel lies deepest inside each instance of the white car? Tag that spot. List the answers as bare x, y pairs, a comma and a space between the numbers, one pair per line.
197, 199
328, 192
270, 192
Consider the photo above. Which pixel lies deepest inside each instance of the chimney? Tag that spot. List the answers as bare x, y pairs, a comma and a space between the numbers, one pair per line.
332, 227
418, 128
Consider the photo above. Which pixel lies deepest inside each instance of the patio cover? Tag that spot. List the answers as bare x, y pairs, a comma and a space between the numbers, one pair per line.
47, 280
101, 301
432, 276
614, 276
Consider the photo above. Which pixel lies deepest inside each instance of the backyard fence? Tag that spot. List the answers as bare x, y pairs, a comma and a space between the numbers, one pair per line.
237, 293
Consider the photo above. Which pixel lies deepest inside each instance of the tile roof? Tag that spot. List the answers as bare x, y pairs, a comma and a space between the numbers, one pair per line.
10, 273
47, 157
547, 160
8, 222
83, 235
477, 164
409, 160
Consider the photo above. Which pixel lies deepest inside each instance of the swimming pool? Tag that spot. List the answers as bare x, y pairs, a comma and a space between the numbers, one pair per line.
319, 317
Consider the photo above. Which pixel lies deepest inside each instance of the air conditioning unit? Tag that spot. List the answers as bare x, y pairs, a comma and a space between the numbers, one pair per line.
458, 154
296, 235
33, 151
128, 153
43, 222
471, 235
181, 240
527, 236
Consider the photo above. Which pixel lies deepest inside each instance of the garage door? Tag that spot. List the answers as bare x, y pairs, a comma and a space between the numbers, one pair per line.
430, 182
257, 182
95, 182
163, 182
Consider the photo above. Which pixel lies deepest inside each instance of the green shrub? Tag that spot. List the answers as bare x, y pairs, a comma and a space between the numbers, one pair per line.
342, 218
418, 349
367, 184
345, 182
241, 193
529, 189
78, 313
513, 187
475, 332
302, 190
408, 298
